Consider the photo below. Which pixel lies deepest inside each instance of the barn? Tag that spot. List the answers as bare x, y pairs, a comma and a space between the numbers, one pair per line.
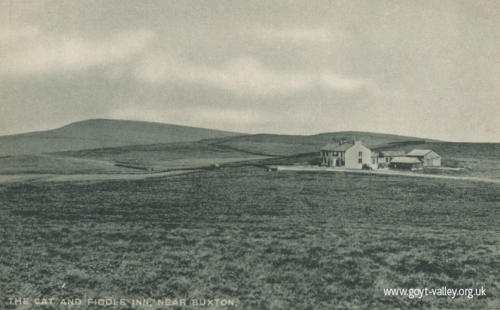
385, 157
344, 154
428, 158
404, 162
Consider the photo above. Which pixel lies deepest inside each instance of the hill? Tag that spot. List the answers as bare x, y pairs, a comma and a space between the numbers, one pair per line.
114, 146
285, 145
100, 133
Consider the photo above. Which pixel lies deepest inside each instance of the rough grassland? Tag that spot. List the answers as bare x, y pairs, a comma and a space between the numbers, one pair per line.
282, 240
156, 157
165, 156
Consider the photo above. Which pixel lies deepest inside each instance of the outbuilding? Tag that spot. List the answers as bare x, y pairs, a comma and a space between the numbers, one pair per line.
429, 158
404, 162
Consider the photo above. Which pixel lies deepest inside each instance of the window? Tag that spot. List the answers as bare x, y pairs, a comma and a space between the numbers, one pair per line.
373, 160
360, 154
360, 160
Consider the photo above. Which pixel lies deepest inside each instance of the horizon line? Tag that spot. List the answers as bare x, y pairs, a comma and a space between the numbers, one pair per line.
242, 133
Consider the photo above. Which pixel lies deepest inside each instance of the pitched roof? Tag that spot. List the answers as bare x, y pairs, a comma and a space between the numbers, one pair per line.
428, 153
418, 152
337, 147
392, 153
405, 160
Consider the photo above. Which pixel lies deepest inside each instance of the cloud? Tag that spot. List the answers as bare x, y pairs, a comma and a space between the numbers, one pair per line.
29, 51
339, 82
317, 34
242, 76
9, 35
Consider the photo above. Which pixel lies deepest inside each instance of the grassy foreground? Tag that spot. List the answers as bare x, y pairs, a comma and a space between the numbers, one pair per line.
284, 240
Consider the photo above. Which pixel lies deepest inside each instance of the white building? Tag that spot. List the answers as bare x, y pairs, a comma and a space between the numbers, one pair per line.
348, 155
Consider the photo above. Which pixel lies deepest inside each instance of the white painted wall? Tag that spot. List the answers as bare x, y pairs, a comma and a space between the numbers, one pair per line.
432, 159
352, 156
432, 162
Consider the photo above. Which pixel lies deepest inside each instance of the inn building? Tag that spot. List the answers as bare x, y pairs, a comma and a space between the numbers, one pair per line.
345, 154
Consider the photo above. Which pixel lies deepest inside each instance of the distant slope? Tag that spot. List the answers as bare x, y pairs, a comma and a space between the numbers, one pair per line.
99, 133
125, 159
163, 156
270, 144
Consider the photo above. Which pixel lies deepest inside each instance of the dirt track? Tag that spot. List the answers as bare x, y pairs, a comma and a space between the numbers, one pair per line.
385, 172
83, 177
14, 178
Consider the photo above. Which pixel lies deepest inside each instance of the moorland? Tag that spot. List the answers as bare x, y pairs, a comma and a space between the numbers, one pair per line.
228, 228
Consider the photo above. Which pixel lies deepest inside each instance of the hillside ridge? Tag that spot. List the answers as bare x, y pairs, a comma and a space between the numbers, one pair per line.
99, 133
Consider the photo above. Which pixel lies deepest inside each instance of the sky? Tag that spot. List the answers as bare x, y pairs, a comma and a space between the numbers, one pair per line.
429, 69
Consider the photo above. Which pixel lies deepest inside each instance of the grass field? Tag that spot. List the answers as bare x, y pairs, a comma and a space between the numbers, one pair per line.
112, 160
50, 163
283, 240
